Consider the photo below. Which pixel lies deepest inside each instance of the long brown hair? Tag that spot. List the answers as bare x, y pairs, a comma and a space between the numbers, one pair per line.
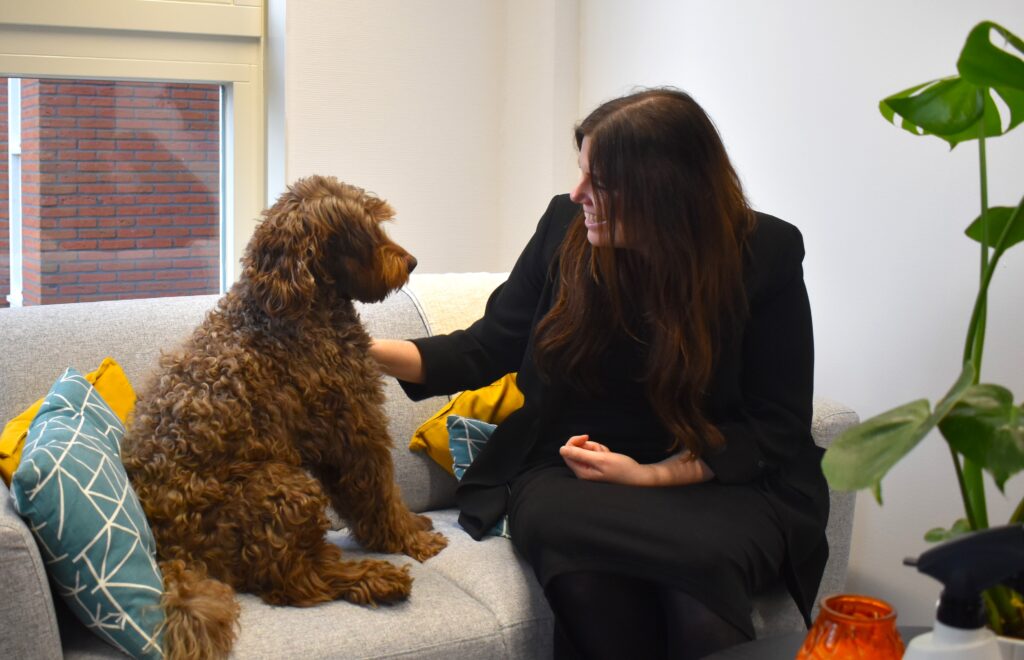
662, 175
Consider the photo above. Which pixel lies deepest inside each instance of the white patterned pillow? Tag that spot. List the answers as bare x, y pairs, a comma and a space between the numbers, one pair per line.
75, 495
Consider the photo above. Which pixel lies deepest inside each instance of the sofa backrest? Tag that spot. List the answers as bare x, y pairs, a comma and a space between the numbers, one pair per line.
38, 343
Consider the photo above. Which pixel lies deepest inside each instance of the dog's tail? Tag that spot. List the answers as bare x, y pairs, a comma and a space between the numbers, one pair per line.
201, 613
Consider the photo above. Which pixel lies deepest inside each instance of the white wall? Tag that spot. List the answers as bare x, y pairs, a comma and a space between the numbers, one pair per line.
794, 87
450, 109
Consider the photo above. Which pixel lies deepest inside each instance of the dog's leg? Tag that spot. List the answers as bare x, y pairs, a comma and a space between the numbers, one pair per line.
363, 490
285, 557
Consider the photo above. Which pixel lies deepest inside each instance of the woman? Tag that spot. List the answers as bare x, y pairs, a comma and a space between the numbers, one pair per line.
661, 469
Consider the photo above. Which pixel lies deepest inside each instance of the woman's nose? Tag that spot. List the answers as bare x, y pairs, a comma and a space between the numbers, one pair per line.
579, 193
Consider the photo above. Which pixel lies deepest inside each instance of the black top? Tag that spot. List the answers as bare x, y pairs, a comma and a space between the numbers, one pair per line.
759, 396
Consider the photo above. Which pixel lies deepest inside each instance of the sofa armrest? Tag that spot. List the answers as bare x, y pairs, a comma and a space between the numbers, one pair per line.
28, 621
830, 419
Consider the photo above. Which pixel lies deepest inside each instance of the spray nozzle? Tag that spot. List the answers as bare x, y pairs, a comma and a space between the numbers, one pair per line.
968, 565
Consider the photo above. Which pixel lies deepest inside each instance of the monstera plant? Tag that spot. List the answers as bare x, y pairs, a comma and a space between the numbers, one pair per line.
980, 422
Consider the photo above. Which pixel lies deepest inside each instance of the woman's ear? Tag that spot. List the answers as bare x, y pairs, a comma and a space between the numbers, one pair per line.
277, 265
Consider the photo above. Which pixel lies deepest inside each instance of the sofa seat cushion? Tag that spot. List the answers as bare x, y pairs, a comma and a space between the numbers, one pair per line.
473, 600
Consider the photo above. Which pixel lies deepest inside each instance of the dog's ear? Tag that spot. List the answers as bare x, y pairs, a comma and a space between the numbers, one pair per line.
277, 263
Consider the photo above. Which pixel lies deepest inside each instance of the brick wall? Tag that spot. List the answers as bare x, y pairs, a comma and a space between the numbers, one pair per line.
120, 190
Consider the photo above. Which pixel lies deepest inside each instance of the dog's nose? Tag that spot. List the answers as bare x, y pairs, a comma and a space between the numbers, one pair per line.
411, 262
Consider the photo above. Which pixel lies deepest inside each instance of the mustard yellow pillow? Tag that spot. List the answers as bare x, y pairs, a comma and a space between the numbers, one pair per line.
491, 404
109, 380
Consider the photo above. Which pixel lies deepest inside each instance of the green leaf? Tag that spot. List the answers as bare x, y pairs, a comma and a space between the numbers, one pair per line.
939, 535
990, 119
998, 217
985, 65
943, 107
863, 454
1014, 99
987, 428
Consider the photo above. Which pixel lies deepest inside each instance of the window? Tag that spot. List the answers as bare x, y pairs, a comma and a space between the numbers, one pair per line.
119, 186
137, 155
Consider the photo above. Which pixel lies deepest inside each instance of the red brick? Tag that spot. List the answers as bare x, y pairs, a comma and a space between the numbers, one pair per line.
116, 288
117, 222
97, 123
172, 231
97, 144
79, 267
78, 200
136, 145
76, 155
98, 233
116, 199
128, 188
98, 189
74, 112
116, 244
155, 243
78, 245
136, 210
51, 280
96, 102
78, 223
76, 89
134, 233
79, 289
152, 156
99, 166
94, 278
114, 266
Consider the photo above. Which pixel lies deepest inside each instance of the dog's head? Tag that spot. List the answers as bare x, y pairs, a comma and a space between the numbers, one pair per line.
320, 241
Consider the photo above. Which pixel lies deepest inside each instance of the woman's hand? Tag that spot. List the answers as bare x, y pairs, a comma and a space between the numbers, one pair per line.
595, 462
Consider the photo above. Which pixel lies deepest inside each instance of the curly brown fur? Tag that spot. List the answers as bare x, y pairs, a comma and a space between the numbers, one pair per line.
270, 411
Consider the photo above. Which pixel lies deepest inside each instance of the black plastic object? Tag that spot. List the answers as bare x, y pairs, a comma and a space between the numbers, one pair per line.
968, 565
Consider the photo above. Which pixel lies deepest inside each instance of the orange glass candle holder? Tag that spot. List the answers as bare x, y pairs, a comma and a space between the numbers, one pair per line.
852, 626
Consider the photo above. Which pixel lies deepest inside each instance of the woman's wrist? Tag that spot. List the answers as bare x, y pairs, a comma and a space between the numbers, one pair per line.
398, 358
678, 470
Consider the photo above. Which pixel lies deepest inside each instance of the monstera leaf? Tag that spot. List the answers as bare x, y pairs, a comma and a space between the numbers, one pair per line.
961, 108
987, 428
863, 454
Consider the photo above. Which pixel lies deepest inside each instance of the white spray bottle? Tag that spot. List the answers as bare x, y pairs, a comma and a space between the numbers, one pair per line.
967, 566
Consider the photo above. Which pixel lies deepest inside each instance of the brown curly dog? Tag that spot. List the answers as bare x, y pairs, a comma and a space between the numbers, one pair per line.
271, 411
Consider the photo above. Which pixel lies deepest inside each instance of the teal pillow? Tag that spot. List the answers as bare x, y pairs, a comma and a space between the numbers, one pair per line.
75, 495
466, 438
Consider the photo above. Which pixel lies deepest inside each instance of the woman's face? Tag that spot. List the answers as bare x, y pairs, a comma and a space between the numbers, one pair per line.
590, 199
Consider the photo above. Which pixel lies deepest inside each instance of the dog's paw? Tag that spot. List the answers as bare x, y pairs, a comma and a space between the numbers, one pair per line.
423, 545
381, 582
420, 523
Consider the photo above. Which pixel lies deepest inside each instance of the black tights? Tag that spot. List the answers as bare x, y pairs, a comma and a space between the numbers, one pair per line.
604, 615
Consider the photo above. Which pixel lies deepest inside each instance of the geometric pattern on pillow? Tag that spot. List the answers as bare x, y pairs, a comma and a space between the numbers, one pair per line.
466, 439
75, 495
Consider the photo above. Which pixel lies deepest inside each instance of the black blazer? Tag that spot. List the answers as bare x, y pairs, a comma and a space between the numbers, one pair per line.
759, 397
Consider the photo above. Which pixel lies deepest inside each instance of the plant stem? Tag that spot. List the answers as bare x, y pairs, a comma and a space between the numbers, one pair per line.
982, 299
978, 346
968, 508
975, 484
983, 169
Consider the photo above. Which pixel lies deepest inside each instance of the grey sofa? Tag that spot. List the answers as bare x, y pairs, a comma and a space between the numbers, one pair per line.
474, 600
